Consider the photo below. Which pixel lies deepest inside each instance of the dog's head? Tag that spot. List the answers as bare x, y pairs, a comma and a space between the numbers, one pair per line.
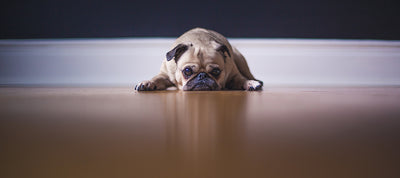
200, 65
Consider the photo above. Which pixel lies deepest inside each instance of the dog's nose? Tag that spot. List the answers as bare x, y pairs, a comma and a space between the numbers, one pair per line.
202, 75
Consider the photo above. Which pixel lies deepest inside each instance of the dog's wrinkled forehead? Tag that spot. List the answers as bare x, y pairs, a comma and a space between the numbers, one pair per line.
208, 46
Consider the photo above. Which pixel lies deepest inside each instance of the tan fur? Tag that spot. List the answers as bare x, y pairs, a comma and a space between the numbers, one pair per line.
202, 56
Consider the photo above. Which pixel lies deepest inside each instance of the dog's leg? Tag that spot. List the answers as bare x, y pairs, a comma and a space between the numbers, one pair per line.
246, 80
159, 82
239, 82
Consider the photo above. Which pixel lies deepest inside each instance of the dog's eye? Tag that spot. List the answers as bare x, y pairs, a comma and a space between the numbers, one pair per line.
215, 72
187, 71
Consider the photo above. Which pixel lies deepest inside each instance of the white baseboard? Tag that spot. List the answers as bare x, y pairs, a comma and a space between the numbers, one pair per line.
128, 61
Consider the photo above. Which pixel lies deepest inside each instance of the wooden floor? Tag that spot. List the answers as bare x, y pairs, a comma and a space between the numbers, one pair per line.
279, 132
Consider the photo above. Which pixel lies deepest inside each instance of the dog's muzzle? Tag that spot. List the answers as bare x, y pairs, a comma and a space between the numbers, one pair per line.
202, 82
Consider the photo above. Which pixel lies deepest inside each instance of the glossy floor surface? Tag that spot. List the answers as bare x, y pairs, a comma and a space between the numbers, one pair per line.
279, 132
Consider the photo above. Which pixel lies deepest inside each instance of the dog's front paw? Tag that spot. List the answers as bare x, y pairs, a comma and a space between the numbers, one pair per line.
253, 85
146, 86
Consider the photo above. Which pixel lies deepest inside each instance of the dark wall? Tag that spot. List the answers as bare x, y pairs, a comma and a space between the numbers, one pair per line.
350, 19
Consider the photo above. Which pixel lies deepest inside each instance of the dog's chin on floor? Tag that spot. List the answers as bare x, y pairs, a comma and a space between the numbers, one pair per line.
201, 87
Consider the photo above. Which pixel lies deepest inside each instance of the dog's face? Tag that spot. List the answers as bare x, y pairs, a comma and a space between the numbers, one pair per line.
198, 66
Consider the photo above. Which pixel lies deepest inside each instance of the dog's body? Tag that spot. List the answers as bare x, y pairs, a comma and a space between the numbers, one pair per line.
202, 60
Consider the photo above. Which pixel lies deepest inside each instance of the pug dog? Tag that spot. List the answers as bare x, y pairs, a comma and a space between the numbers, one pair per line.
202, 60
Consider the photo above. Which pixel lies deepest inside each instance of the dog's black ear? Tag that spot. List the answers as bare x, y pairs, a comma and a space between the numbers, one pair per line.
222, 49
176, 52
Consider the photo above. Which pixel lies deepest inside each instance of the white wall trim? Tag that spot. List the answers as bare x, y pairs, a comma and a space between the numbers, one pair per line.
124, 61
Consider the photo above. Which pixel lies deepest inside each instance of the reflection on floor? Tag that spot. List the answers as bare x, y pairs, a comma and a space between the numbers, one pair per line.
279, 132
